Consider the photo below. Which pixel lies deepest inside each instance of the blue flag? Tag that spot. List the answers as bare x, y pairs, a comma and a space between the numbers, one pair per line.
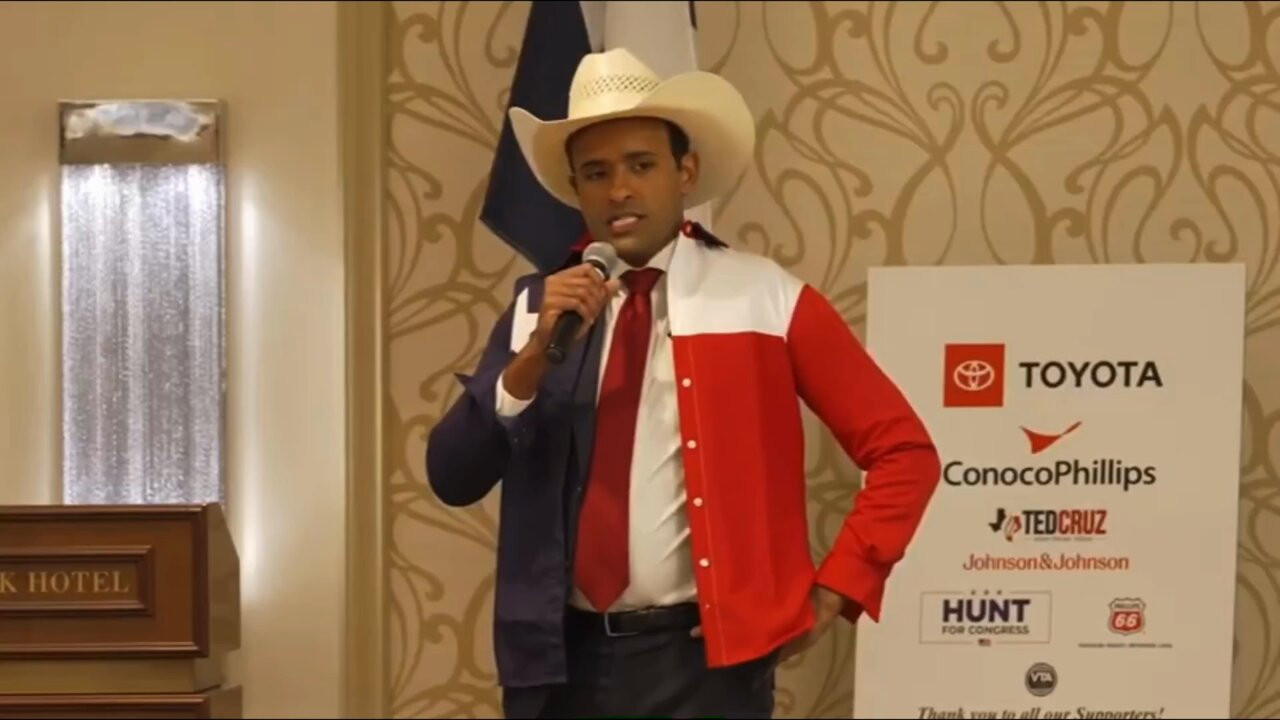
516, 207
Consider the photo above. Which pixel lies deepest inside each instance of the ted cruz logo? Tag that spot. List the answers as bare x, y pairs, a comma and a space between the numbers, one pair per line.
1064, 524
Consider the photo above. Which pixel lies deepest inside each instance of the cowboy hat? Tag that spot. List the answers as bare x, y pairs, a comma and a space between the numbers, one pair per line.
615, 84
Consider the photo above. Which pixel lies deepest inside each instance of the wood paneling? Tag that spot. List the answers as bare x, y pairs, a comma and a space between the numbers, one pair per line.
117, 611
76, 581
112, 581
222, 703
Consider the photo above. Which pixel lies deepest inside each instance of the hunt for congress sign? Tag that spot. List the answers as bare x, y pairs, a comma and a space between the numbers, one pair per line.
1079, 557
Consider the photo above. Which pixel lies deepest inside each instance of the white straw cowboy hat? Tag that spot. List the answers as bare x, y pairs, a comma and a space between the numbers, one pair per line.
615, 84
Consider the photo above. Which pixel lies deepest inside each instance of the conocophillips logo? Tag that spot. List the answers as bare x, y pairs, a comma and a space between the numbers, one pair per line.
1087, 473
1041, 441
974, 374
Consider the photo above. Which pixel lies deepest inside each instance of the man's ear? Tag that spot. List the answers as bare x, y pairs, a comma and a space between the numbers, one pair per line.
689, 172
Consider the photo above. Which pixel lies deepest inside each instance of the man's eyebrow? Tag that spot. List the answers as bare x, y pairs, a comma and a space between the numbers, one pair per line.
633, 155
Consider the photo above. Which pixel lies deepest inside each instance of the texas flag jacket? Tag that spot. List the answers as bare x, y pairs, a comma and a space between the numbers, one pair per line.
751, 343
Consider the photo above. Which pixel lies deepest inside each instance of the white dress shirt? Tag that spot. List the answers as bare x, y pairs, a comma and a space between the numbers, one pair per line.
661, 566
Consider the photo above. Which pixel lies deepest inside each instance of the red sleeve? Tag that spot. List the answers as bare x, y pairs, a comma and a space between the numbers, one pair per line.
880, 431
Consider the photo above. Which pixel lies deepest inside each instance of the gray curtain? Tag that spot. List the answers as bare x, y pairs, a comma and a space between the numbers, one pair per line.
142, 335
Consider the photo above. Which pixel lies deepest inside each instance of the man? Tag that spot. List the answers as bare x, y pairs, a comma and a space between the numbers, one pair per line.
653, 557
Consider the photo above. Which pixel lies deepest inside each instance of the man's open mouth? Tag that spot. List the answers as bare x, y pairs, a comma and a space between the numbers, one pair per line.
624, 223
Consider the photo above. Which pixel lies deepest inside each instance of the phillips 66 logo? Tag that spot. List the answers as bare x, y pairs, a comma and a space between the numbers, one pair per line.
1128, 616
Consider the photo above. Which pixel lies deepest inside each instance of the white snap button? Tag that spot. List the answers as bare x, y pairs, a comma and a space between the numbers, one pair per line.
691, 444
704, 562
686, 382
697, 502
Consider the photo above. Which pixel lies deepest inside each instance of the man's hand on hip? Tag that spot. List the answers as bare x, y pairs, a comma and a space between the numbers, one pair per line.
827, 606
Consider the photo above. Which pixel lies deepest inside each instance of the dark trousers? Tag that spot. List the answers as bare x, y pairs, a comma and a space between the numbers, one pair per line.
657, 673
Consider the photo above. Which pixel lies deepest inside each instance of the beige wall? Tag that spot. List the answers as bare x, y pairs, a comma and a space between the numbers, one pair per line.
877, 125
275, 65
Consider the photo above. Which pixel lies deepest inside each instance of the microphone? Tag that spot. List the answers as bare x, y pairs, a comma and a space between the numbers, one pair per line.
603, 258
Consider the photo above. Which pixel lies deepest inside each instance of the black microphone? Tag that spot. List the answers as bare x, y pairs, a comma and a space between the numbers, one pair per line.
602, 257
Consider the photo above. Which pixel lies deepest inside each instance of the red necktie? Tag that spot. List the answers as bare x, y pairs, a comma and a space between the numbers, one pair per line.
602, 565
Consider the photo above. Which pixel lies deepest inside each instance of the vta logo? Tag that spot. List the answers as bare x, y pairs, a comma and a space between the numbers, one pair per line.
1010, 524
1041, 679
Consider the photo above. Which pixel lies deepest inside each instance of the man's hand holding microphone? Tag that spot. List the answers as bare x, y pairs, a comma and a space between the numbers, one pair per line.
572, 300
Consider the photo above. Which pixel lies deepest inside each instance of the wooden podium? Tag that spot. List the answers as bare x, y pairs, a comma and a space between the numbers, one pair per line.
117, 611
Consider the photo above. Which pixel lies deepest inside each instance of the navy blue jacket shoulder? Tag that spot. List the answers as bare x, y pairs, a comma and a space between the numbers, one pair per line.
540, 459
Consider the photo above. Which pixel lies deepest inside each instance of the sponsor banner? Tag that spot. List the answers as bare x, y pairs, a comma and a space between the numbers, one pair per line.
966, 618
1088, 419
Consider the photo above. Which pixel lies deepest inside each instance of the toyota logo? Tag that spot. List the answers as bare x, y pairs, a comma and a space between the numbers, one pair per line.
973, 375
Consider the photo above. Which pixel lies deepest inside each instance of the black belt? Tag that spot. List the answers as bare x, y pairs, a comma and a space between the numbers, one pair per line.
634, 622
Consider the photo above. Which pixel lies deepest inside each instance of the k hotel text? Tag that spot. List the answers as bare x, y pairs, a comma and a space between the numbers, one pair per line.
25, 583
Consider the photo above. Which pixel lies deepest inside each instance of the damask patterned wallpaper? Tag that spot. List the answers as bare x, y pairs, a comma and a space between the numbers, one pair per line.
889, 133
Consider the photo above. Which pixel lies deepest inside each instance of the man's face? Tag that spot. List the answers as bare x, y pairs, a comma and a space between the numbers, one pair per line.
630, 187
